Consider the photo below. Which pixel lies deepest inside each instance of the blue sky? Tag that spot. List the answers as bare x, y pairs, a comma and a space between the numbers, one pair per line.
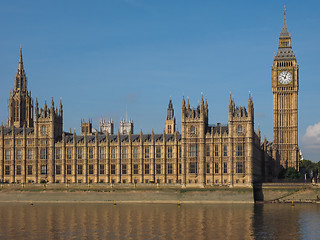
104, 58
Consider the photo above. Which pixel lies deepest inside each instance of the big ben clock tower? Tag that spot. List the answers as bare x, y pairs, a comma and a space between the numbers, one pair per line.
285, 86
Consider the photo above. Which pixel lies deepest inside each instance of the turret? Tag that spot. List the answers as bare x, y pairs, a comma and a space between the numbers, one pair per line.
201, 112
21, 79
106, 127
170, 111
183, 108
202, 103
183, 102
126, 126
60, 109
231, 107
170, 120
206, 107
259, 133
20, 108
36, 110
250, 108
141, 137
241, 120
86, 127
45, 108
152, 137
52, 107
195, 120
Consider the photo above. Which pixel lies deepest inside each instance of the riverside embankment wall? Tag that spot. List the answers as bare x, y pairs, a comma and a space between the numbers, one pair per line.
157, 194
290, 192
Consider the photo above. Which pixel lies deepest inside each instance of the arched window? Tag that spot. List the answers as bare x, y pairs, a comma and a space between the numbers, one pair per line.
240, 129
192, 130
43, 130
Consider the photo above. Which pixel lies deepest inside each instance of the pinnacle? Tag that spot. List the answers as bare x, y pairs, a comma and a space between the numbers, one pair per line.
284, 31
170, 106
20, 60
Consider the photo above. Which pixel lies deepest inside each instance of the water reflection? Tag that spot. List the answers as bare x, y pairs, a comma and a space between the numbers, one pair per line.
158, 221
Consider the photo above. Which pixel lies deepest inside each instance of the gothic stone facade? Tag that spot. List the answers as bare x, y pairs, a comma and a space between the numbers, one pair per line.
200, 154
285, 86
34, 148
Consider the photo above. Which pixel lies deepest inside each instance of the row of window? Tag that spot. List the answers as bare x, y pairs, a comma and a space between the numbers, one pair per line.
193, 168
193, 130
172, 181
284, 64
85, 129
124, 152
43, 154
19, 142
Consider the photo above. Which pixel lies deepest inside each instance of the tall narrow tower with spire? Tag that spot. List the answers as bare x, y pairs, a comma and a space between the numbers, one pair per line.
170, 120
285, 86
20, 107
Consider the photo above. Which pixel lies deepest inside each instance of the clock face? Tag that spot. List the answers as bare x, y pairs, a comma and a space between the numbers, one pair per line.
285, 77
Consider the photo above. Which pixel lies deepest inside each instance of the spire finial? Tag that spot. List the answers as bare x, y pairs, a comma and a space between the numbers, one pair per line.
126, 113
202, 101
60, 107
52, 104
284, 31
20, 67
284, 10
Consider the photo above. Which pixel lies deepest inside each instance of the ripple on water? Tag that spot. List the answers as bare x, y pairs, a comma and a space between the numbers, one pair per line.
159, 221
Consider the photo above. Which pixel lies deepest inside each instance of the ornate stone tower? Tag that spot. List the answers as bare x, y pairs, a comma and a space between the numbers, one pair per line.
86, 127
241, 130
106, 127
20, 106
194, 125
171, 120
126, 127
285, 86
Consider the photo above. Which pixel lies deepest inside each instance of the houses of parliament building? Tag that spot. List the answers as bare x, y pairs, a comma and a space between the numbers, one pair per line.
34, 147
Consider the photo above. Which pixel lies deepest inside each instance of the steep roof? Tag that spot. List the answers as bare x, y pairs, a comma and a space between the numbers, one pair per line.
284, 31
69, 137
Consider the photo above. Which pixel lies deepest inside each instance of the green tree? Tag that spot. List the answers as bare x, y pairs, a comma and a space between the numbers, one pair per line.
310, 166
289, 173
292, 173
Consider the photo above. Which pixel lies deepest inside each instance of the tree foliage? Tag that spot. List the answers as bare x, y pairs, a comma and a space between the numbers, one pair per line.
290, 173
310, 168
309, 165
306, 166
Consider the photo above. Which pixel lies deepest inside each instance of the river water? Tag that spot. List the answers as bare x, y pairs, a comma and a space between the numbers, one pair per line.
159, 221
